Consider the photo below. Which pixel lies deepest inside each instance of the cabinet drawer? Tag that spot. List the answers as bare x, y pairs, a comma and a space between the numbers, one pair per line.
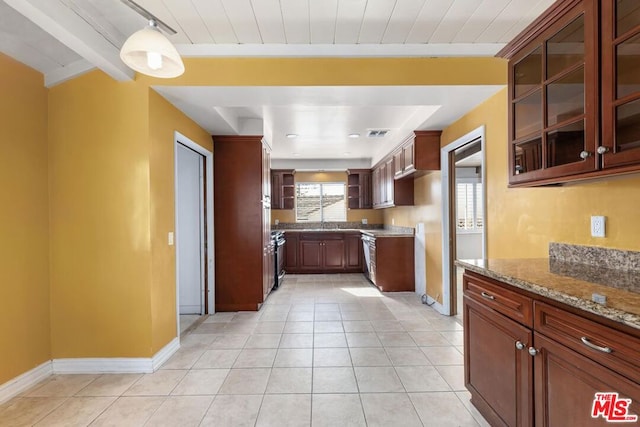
603, 344
323, 235
513, 305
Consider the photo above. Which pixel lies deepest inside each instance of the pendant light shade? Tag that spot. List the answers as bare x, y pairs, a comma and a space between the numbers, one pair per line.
149, 52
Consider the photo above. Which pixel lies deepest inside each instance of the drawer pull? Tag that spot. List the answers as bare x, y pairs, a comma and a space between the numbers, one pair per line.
591, 345
487, 296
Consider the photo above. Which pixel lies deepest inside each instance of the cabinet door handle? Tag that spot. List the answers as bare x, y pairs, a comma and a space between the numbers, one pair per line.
591, 345
520, 346
487, 296
533, 351
585, 154
602, 149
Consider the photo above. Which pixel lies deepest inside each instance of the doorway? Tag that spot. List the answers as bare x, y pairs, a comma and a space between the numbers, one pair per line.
194, 230
464, 212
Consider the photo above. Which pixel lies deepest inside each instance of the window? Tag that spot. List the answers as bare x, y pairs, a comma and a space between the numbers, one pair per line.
316, 202
469, 206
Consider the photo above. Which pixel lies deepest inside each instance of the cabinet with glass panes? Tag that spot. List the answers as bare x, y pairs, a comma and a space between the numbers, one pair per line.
574, 100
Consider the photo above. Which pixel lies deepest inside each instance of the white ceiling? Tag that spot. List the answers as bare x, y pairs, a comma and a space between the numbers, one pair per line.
323, 117
64, 38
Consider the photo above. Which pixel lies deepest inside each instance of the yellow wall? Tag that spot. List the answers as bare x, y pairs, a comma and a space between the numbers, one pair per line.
164, 120
338, 71
373, 216
99, 216
99, 145
112, 205
24, 221
427, 210
522, 221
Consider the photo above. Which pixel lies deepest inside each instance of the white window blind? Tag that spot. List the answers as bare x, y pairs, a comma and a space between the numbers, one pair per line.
469, 206
317, 202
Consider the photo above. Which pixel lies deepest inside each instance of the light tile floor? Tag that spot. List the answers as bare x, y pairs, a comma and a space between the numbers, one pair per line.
325, 350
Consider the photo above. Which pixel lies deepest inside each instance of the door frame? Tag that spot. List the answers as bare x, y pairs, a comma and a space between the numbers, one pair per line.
446, 152
209, 243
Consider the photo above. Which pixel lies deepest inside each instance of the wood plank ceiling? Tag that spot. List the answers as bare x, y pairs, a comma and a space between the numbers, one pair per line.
345, 21
259, 27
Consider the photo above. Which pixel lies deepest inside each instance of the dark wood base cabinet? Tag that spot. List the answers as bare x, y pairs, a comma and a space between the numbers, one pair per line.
498, 375
566, 383
392, 267
527, 362
323, 252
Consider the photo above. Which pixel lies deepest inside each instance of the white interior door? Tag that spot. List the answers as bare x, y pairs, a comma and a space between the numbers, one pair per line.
190, 231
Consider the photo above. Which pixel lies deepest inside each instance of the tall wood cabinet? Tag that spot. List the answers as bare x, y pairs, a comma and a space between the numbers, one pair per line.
244, 254
574, 97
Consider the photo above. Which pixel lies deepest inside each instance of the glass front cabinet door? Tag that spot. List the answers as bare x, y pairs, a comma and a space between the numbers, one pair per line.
620, 144
554, 100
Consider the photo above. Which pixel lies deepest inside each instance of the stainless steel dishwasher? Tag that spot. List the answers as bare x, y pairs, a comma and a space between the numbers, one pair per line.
369, 249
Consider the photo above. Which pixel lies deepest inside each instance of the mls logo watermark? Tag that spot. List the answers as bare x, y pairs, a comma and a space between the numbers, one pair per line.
612, 408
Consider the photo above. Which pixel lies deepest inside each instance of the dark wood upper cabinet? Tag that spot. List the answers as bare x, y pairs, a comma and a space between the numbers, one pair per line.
392, 177
621, 83
282, 189
418, 153
387, 191
574, 103
359, 187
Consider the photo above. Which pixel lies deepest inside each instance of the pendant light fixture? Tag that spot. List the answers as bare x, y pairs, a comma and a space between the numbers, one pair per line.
148, 51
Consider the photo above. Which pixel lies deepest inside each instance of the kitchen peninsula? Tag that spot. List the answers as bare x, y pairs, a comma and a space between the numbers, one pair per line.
384, 255
556, 331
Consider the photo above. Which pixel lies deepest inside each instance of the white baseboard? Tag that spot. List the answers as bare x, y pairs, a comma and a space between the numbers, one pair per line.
22, 382
436, 306
116, 365
97, 365
165, 353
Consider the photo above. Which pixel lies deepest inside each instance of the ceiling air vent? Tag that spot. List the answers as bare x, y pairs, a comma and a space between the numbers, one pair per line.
377, 133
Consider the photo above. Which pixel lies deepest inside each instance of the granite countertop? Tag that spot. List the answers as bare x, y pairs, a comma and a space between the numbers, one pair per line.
386, 233
569, 283
374, 233
322, 230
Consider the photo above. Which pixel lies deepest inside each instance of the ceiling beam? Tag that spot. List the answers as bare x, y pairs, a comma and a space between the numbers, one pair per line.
62, 74
70, 29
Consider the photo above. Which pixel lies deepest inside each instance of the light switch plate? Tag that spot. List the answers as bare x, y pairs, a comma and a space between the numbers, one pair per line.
598, 226
170, 238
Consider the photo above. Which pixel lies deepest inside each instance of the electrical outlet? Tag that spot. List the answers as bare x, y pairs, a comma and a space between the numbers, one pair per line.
170, 238
598, 226
599, 299
364, 220
277, 222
